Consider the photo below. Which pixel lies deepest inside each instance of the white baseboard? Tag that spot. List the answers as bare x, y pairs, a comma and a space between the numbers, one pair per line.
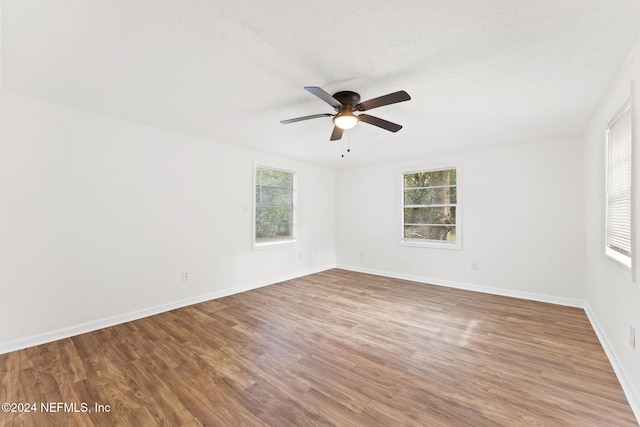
146, 312
571, 302
627, 385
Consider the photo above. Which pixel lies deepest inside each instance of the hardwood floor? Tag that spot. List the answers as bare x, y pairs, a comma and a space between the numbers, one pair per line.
334, 348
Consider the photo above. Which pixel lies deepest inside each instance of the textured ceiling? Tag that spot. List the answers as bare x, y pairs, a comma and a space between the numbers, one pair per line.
480, 73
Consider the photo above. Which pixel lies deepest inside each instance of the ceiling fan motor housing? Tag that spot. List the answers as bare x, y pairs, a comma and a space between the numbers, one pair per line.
348, 99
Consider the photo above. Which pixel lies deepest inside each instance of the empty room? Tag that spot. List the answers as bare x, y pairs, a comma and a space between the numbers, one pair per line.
381, 213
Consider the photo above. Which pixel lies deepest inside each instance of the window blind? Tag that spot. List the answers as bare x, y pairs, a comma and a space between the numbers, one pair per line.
619, 179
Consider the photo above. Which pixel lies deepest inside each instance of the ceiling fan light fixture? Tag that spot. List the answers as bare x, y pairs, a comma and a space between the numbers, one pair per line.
345, 120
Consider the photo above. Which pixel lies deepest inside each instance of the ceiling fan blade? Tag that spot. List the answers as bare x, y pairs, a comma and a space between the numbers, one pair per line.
320, 93
391, 127
336, 134
380, 101
299, 119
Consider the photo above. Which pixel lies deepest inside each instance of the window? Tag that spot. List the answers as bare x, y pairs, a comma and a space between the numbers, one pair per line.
430, 210
275, 206
619, 176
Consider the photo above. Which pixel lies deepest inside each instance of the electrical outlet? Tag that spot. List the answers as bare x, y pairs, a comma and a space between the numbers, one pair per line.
185, 276
632, 337
361, 254
474, 266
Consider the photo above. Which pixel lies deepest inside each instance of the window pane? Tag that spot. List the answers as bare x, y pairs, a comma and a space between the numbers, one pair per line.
273, 223
430, 215
274, 196
430, 179
274, 178
430, 232
430, 196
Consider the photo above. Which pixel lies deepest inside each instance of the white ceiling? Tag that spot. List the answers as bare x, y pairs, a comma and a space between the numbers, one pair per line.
479, 72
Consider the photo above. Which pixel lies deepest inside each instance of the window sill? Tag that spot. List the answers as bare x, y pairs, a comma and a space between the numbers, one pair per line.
618, 259
430, 244
274, 244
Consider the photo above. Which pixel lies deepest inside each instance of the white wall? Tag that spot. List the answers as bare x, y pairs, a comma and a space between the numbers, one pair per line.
522, 222
99, 217
1, 80
613, 298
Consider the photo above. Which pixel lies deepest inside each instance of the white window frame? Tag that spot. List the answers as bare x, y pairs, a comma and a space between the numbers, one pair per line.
441, 244
281, 242
624, 260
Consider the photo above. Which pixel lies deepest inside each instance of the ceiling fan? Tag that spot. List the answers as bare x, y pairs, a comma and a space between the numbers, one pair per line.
346, 103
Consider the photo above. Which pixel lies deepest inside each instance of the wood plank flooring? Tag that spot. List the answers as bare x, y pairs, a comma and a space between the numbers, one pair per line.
335, 348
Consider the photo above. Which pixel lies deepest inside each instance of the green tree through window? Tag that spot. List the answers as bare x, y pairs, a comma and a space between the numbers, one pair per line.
429, 205
275, 205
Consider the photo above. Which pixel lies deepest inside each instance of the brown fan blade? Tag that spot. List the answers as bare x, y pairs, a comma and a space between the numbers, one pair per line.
380, 101
381, 123
320, 93
336, 134
299, 119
